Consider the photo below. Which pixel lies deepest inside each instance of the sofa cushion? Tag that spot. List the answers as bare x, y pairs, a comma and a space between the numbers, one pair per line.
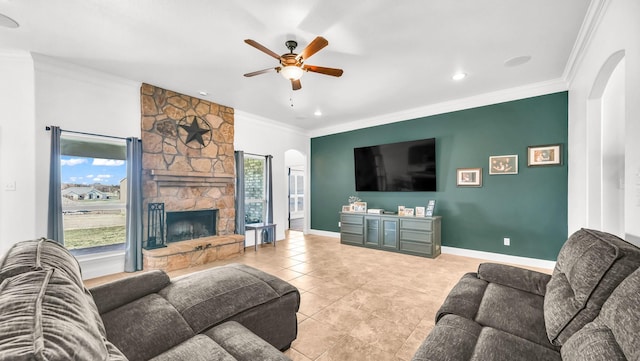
458, 338
39, 254
114, 294
46, 316
514, 311
229, 290
197, 348
615, 333
243, 344
589, 267
146, 327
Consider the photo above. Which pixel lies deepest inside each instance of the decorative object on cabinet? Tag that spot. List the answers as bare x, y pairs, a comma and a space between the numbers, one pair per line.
431, 206
469, 177
541, 155
420, 211
401, 210
408, 211
503, 164
360, 207
346, 208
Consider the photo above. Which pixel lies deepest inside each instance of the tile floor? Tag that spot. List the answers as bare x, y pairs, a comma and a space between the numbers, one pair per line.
356, 303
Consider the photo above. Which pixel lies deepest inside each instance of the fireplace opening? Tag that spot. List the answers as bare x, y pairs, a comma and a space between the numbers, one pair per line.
186, 225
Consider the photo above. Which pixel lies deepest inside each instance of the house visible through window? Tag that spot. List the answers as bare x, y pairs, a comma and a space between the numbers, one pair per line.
254, 187
93, 194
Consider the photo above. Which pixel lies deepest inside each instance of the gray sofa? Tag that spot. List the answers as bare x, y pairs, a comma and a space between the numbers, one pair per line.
588, 309
233, 312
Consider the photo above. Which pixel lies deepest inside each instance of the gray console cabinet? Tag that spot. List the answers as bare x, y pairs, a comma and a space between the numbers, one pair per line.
413, 235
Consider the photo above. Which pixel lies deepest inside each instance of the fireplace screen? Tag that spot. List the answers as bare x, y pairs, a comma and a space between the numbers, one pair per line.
187, 225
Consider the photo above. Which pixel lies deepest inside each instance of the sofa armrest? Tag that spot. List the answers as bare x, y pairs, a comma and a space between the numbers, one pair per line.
112, 295
464, 298
515, 277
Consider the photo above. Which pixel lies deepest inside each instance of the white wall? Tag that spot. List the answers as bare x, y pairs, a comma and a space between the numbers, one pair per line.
617, 31
254, 134
17, 149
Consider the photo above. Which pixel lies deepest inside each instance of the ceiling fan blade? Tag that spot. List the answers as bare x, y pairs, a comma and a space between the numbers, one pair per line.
296, 85
316, 45
262, 48
323, 70
259, 72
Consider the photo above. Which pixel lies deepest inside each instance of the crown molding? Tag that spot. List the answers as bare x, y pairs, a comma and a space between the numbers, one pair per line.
270, 123
56, 66
501, 96
593, 18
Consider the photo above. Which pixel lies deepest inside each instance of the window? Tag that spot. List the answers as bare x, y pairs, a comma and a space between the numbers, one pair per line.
93, 184
255, 199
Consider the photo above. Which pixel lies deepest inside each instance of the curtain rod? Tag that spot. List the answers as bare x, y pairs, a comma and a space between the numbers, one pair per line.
48, 128
258, 155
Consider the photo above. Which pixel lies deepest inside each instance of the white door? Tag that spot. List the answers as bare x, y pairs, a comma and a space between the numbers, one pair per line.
296, 194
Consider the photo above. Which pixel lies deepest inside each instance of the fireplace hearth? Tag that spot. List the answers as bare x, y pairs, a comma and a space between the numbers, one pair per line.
187, 225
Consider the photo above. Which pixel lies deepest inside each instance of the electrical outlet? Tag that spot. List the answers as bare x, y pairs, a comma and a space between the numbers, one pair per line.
10, 186
339, 224
507, 241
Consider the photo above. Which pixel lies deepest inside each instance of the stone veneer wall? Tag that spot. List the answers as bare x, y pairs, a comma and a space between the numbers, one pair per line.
187, 177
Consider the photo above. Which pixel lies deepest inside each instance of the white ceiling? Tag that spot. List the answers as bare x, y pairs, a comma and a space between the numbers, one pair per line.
396, 55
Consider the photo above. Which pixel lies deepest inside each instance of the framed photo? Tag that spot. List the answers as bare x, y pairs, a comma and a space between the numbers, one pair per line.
469, 177
431, 206
503, 164
360, 206
401, 210
420, 211
541, 155
346, 208
408, 212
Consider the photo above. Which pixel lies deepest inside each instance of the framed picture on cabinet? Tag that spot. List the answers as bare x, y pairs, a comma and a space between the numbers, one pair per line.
431, 206
542, 155
469, 177
420, 211
346, 208
503, 164
408, 212
360, 207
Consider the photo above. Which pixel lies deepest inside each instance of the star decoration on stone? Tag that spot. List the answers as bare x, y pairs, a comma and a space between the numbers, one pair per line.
194, 132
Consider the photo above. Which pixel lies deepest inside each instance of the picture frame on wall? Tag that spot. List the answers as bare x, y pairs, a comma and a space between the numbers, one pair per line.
469, 177
544, 155
503, 164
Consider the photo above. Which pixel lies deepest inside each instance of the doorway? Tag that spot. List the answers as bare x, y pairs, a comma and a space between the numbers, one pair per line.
296, 179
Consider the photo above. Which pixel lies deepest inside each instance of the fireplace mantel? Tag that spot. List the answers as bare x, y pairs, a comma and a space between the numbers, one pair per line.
168, 178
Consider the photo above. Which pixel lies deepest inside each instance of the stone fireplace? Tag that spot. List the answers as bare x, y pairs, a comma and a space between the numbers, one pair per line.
188, 164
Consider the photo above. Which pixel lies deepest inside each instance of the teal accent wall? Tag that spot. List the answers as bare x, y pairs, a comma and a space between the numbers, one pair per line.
530, 207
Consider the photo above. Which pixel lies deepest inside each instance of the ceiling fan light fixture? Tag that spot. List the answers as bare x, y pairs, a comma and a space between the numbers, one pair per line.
292, 72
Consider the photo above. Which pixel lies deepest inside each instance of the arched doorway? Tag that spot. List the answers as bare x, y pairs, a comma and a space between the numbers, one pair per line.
606, 115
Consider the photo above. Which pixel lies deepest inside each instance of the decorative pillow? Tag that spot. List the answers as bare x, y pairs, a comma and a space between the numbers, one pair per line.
37, 255
45, 316
590, 265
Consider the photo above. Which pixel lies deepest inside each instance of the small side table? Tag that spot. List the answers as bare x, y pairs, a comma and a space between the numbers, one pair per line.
255, 227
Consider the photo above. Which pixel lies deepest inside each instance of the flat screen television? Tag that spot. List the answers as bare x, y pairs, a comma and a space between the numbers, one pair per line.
396, 167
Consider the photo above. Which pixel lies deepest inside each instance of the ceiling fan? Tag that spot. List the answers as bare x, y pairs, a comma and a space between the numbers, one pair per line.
291, 64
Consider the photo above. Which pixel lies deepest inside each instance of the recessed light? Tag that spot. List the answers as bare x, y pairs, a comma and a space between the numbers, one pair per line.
203, 93
459, 76
7, 22
518, 60
317, 113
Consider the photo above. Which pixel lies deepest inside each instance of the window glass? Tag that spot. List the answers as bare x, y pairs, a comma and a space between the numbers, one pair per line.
93, 194
254, 187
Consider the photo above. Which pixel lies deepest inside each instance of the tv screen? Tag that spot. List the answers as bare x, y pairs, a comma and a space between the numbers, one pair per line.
396, 167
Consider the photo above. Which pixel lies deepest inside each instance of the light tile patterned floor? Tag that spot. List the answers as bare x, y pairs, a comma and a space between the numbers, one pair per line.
356, 303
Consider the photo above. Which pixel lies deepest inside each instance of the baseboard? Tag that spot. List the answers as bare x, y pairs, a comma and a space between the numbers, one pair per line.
489, 256
498, 257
